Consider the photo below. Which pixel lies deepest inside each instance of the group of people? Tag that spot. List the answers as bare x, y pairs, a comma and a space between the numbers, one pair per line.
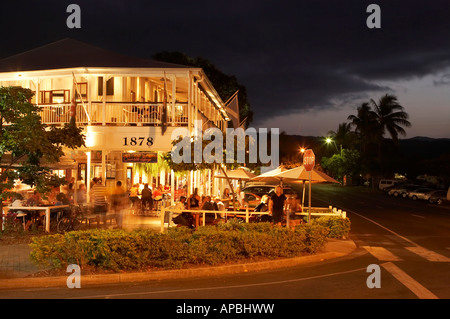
148, 195
197, 202
278, 205
118, 199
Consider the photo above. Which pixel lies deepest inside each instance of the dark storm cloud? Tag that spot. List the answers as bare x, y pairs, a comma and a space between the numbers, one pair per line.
291, 55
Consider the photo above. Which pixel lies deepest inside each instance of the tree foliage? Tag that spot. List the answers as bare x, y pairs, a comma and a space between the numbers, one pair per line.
27, 146
225, 85
374, 119
340, 165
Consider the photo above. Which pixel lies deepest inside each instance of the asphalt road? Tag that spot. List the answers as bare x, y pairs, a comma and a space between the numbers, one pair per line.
403, 253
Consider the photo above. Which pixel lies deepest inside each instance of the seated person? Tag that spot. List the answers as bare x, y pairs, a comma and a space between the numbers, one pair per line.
263, 206
185, 218
34, 199
208, 205
181, 204
220, 206
157, 193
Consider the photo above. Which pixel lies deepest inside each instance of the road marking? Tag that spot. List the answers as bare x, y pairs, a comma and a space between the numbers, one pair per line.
417, 249
419, 290
381, 253
428, 254
385, 228
222, 287
418, 216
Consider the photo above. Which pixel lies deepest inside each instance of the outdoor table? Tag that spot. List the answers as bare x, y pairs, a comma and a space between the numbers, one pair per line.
47, 210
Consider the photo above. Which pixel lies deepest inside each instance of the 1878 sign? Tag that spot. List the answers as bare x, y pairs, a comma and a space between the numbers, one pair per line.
137, 141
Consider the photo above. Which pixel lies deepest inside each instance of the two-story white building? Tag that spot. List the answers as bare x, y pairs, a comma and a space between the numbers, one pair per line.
120, 103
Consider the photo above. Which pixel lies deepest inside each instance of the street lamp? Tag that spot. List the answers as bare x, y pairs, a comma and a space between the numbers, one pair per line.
329, 140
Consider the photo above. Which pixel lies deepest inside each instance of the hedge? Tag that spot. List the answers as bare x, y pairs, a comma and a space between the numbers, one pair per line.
121, 250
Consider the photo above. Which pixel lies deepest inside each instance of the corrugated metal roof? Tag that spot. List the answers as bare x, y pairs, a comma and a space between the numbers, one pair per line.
70, 53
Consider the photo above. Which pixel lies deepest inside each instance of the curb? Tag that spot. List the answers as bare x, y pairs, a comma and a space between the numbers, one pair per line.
333, 249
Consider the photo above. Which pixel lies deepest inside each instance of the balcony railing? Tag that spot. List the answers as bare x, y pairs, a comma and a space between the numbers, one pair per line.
114, 113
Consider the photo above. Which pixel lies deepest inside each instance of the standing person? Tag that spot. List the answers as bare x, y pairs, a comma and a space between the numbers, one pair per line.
240, 196
146, 197
98, 196
226, 197
118, 202
276, 205
81, 194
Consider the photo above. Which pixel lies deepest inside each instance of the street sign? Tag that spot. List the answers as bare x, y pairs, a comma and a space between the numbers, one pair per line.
309, 160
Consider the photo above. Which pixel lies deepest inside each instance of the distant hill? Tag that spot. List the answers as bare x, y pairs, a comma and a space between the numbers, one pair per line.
416, 156
425, 147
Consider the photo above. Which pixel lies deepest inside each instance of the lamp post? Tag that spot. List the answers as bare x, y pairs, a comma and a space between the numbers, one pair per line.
329, 140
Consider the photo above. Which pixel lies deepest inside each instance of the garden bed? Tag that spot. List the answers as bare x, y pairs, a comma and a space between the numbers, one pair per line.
180, 247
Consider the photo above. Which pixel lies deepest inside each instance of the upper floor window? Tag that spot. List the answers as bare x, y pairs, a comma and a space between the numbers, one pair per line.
81, 90
54, 96
109, 86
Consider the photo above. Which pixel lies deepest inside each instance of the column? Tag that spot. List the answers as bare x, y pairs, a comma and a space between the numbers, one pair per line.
104, 101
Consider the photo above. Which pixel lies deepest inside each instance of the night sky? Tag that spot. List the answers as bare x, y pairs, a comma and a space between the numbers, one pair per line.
306, 65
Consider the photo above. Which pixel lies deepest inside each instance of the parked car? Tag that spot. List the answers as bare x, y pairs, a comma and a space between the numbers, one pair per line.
402, 190
438, 197
421, 193
387, 183
388, 188
261, 190
251, 199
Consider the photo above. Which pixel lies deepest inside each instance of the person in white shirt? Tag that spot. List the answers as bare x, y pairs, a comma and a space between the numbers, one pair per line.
220, 206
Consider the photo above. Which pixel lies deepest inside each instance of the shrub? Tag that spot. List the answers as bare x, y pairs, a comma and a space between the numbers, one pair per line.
338, 227
142, 249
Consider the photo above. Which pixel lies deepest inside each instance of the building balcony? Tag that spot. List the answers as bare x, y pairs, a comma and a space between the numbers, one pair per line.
115, 113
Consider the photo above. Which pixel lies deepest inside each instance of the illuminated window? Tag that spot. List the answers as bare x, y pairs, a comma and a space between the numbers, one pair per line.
54, 96
109, 86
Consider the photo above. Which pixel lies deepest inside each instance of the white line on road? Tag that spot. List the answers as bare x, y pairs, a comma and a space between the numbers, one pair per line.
381, 253
417, 249
428, 254
419, 290
385, 228
222, 287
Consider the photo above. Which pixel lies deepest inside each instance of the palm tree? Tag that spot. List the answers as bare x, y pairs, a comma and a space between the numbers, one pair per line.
390, 116
343, 135
364, 123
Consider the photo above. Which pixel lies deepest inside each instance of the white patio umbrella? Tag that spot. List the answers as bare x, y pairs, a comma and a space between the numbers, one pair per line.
236, 174
269, 176
239, 174
300, 174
